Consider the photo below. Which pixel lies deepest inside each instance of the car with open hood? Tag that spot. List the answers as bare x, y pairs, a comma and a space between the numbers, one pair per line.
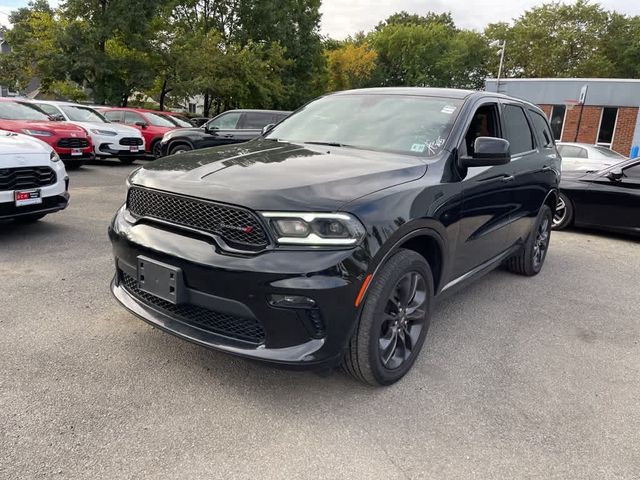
326, 240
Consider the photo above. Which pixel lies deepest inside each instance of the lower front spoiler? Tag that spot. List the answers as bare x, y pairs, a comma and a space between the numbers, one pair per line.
48, 205
293, 357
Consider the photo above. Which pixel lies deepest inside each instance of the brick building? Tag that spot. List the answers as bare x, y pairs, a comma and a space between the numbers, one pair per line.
589, 110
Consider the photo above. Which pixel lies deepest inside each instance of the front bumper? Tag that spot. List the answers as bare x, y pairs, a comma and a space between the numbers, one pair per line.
226, 302
8, 210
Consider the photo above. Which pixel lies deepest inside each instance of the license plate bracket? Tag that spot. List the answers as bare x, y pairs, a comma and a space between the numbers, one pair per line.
25, 198
76, 152
159, 279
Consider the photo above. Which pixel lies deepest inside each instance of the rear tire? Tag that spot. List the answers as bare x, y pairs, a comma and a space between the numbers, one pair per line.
397, 309
531, 258
563, 216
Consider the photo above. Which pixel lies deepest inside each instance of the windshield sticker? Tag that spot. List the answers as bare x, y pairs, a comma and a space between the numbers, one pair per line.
448, 109
418, 147
434, 145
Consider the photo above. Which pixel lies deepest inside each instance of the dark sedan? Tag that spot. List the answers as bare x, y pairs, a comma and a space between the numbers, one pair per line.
233, 126
607, 199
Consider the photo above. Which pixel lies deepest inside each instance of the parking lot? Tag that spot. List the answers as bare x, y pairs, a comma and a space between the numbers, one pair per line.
519, 377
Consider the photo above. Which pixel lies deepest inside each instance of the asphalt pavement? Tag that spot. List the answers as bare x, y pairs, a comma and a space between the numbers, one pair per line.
519, 378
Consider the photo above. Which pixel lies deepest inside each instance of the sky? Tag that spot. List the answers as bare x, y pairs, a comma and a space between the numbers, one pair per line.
345, 17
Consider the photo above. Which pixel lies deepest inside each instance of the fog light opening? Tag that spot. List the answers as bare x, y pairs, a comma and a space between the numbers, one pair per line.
291, 301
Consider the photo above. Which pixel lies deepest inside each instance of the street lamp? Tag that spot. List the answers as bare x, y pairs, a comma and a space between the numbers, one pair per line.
501, 46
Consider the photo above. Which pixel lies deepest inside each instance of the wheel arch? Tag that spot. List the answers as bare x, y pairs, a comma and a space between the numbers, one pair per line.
179, 141
551, 200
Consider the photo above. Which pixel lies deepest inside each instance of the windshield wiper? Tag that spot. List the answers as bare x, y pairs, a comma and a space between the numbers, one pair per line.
328, 144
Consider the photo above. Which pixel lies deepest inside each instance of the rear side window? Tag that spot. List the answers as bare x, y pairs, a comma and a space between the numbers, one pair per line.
542, 127
517, 130
114, 116
255, 120
130, 118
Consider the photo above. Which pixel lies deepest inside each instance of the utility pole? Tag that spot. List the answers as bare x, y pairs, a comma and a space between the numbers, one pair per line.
502, 46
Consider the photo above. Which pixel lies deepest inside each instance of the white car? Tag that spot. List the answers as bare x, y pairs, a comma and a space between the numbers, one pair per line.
109, 139
33, 180
587, 157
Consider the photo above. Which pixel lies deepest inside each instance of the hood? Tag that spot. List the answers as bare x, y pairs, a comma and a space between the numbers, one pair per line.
17, 144
65, 128
268, 175
115, 127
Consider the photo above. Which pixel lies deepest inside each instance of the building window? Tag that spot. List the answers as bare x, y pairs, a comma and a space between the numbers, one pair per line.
557, 121
192, 108
607, 126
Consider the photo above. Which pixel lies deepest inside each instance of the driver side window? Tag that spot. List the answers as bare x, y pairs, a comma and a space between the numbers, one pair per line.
228, 121
632, 172
483, 124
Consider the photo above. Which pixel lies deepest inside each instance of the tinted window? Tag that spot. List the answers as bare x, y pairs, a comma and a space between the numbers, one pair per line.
411, 125
607, 125
226, 121
158, 121
256, 120
114, 116
517, 130
632, 172
483, 124
607, 152
542, 127
557, 120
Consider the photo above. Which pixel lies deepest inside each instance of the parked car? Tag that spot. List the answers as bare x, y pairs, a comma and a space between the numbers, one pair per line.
33, 180
608, 199
586, 157
233, 126
148, 122
70, 142
325, 240
109, 139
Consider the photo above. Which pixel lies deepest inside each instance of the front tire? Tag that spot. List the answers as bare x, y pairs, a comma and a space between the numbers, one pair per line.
394, 321
156, 150
530, 260
179, 149
563, 217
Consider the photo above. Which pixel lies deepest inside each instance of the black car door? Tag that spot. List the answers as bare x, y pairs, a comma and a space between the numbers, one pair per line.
252, 123
613, 202
487, 198
221, 130
536, 165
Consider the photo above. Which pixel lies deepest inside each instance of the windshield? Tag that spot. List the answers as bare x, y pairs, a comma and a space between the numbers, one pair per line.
177, 121
158, 121
413, 125
608, 152
82, 114
21, 111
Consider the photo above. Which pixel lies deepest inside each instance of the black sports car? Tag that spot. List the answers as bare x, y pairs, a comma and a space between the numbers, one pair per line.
608, 199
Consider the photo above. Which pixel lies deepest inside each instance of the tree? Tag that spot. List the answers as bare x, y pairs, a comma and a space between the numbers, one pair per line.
350, 66
556, 40
429, 51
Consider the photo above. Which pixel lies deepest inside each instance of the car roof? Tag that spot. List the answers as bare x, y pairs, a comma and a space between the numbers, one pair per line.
253, 110
411, 91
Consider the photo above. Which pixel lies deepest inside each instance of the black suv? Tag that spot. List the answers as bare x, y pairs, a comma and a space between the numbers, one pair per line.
232, 126
325, 240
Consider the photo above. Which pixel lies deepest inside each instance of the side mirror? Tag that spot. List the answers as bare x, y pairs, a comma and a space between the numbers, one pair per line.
57, 117
488, 152
614, 175
141, 124
268, 127
209, 128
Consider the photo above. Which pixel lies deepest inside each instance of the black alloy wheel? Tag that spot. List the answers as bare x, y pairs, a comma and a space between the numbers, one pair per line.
404, 318
563, 216
541, 243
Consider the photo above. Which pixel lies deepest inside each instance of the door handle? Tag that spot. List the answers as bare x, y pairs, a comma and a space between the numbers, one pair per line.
228, 135
507, 178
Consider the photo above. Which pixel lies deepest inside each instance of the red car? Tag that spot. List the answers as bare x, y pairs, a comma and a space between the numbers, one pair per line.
152, 125
71, 142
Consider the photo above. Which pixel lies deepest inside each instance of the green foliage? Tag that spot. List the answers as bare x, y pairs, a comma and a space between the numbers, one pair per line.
350, 66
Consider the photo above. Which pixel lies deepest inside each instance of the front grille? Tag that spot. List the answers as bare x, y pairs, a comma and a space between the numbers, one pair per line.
73, 143
131, 141
246, 329
238, 227
26, 177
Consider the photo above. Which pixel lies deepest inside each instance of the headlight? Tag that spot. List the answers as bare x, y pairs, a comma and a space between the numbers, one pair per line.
53, 156
107, 133
37, 133
330, 229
